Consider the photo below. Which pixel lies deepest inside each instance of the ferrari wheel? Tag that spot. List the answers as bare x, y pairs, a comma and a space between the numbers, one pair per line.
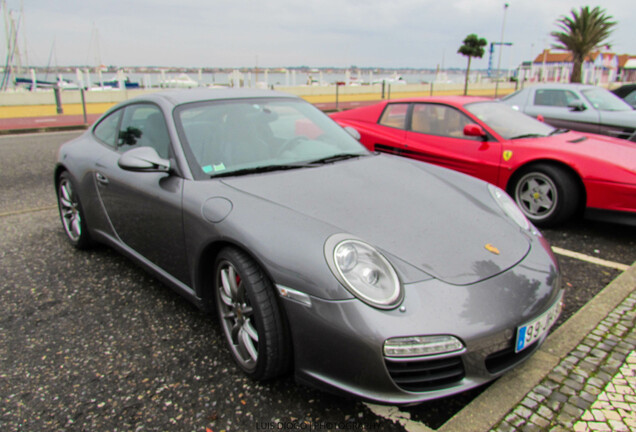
71, 213
546, 194
250, 317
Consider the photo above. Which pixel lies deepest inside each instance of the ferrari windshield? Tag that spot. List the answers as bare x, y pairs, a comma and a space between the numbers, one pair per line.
507, 122
236, 137
604, 100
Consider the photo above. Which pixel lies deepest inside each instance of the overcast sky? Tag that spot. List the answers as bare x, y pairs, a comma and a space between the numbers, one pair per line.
221, 33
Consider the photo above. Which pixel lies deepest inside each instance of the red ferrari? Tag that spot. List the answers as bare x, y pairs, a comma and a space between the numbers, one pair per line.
553, 174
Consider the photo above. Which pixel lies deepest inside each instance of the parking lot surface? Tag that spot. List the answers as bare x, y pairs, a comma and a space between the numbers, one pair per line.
89, 341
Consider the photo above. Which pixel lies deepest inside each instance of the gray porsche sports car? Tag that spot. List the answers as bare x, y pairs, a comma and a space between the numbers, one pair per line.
386, 278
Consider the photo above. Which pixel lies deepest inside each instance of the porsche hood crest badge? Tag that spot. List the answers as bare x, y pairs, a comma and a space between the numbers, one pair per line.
492, 249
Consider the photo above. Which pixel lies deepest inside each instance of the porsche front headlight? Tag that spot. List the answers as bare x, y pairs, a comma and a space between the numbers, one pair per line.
366, 273
509, 207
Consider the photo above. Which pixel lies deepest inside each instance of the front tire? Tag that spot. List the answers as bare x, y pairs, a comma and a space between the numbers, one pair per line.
249, 314
71, 213
546, 194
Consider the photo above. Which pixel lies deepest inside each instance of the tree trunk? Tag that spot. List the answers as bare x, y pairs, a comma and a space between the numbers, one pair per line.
466, 79
576, 68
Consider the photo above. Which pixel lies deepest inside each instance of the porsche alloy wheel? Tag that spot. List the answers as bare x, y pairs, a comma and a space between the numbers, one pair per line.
546, 194
249, 315
71, 213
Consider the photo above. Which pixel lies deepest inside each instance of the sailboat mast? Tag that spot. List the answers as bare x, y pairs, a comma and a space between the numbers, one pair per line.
24, 43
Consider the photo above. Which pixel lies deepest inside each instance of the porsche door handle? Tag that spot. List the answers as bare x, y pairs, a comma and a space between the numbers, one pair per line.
101, 178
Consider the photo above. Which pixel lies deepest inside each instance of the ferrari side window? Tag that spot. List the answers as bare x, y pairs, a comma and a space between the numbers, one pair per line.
394, 116
442, 120
106, 130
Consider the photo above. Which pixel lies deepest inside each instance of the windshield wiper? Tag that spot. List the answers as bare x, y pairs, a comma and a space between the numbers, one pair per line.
262, 169
529, 135
558, 131
335, 158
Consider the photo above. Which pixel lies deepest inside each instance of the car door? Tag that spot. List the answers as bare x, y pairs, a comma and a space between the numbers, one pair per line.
436, 135
553, 105
144, 208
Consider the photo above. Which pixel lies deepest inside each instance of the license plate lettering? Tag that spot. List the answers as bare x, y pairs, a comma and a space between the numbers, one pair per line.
532, 331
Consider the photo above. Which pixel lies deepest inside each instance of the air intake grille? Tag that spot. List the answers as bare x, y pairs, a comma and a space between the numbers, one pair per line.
426, 375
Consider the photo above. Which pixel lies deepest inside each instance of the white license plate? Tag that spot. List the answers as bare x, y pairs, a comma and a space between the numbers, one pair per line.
528, 333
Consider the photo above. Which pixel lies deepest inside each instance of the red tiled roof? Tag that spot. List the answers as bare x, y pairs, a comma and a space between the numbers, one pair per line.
623, 58
548, 56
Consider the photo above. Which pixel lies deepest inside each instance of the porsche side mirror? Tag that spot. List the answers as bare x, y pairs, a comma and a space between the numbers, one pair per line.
143, 159
353, 132
473, 129
577, 106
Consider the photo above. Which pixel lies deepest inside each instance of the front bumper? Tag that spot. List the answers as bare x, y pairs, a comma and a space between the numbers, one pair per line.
338, 345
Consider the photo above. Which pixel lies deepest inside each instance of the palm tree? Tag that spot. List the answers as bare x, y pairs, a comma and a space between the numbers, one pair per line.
581, 33
473, 47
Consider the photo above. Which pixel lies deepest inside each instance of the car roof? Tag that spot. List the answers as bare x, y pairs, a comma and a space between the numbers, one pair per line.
561, 86
178, 97
450, 100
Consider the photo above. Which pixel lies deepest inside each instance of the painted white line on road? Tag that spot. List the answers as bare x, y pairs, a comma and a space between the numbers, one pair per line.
394, 414
590, 259
25, 211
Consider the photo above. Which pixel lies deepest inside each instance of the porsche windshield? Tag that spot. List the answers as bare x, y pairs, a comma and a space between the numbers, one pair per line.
507, 122
259, 135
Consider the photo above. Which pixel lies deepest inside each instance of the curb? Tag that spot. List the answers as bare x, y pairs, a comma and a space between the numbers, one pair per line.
489, 408
43, 129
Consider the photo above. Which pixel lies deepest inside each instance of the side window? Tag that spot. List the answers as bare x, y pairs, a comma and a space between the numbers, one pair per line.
556, 98
106, 130
442, 120
631, 98
143, 125
394, 116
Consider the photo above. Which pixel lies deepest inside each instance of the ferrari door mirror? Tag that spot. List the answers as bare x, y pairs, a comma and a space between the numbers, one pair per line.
473, 129
143, 159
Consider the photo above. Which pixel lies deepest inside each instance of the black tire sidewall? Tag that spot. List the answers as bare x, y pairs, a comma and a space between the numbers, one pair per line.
272, 349
84, 241
567, 191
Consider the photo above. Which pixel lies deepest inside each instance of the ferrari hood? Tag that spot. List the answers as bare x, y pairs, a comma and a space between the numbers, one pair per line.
442, 222
598, 149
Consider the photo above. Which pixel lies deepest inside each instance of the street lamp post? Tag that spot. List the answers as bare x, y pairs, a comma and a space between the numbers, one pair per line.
503, 26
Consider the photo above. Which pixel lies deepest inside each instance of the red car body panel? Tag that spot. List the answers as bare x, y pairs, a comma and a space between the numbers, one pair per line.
605, 166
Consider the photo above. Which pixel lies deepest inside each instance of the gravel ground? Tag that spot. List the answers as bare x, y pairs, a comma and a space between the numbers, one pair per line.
88, 341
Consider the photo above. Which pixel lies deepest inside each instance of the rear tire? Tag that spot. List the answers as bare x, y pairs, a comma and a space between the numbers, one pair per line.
546, 194
249, 314
72, 213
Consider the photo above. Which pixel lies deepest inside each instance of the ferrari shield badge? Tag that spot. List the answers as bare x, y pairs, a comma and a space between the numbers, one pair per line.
492, 249
507, 154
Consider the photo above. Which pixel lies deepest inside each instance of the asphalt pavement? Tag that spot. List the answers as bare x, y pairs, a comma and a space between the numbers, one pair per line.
89, 341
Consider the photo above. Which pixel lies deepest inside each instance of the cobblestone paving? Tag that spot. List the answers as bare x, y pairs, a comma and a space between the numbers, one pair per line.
615, 408
592, 389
